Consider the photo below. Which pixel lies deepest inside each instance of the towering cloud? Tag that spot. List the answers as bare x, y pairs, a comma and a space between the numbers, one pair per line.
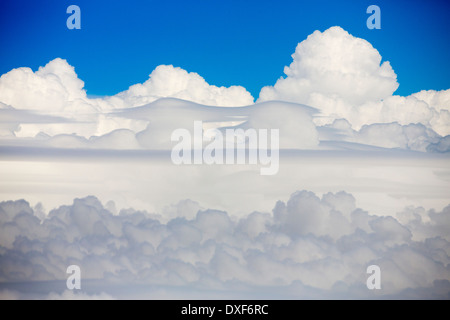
53, 88
343, 77
334, 64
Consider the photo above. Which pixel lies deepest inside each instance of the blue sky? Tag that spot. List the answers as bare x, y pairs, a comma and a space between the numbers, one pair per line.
227, 42
363, 176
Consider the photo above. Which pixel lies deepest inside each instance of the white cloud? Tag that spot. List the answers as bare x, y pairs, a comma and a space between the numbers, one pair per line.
168, 81
443, 145
415, 137
313, 244
439, 101
343, 77
57, 88
53, 88
322, 243
333, 63
150, 126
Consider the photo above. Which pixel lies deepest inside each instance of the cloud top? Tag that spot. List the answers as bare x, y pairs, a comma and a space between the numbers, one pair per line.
336, 64
168, 81
315, 244
52, 88
342, 76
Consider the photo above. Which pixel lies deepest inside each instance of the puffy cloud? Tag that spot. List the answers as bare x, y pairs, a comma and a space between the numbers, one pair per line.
343, 77
305, 214
334, 63
393, 135
53, 88
168, 81
425, 224
443, 145
56, 88
404, 110
439, 101
311, 245
415, 137
319, 245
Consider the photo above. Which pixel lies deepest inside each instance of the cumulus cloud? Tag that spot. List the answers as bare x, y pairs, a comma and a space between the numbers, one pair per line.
52, 88
336, 64
312, 244
439, 101
443, 145
168, 81
415, 137
343, 77
319, 245
56, 90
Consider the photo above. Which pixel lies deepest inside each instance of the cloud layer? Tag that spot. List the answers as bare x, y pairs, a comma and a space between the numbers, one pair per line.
343, 77
307, 245
341, 128
340, 75
56, 90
